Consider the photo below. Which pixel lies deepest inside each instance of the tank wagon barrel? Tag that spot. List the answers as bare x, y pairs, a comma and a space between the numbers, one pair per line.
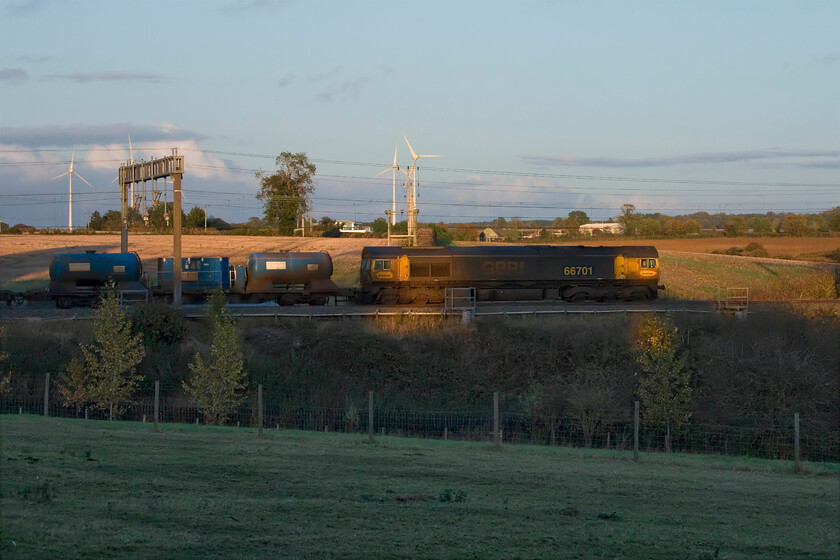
77, 278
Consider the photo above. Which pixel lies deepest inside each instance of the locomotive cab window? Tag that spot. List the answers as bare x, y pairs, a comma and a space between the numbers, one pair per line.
381, 265
648, 263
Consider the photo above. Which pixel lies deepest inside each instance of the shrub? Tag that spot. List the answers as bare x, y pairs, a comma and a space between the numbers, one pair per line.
756, 250
159, 321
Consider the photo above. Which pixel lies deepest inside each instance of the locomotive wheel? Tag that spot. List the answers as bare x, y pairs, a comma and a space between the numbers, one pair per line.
287, 299
319, 300
64, 302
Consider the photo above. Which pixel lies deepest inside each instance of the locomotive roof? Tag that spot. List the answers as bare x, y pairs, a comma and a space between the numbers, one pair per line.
510, 251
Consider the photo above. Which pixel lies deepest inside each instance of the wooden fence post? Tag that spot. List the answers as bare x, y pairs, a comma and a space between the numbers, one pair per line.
636, 431
157, 404
260, 413
47, 395
370, 416
797, 467
497, 434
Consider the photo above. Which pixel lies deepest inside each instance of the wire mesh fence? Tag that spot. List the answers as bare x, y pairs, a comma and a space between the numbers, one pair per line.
778, 442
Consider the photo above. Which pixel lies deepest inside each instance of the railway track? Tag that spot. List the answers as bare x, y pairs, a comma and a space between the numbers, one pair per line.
46, 310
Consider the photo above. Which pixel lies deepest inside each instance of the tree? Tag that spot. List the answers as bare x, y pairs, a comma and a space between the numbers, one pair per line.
736, 226
795, 224
379, 226
285, 192
96, 221
664, 387
195, 217
579, 216
834, 220
75, 386
110, 362
217, 385
628, 218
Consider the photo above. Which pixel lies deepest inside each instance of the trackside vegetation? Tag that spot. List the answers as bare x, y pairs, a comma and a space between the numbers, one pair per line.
94, 489
751, 374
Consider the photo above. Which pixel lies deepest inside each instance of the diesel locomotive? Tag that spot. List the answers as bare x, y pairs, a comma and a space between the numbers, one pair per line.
388, 275
509, 273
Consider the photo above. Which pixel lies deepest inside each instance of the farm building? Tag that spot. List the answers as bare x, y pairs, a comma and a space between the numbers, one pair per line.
488, 235
601, 228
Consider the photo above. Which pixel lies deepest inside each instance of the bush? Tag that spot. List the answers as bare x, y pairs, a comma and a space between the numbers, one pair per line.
756, 250
159, 321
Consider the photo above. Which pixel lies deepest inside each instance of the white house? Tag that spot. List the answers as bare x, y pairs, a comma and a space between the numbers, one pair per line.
612, 228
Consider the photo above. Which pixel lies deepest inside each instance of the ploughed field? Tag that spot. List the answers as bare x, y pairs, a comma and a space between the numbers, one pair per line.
689, 271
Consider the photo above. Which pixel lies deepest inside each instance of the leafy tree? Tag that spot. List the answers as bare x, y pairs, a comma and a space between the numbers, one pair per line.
760, 225
96, 221
736, 226
834, 220
579, 216
629, 219
75, 386
217, 385
664, 387
379, 226
195, 217
110, 362
795, 224
285, 192
499, 222
690, 227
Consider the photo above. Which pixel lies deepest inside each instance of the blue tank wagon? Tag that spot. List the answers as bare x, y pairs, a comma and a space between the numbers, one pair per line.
78, 278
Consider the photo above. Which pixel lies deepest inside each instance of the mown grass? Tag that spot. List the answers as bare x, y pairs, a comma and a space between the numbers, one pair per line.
87, 489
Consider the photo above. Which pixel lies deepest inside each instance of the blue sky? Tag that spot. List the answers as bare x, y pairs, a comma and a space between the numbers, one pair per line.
539, 107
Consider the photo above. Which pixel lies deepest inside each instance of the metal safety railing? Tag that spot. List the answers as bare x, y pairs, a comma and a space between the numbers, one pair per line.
460, 299
733, 299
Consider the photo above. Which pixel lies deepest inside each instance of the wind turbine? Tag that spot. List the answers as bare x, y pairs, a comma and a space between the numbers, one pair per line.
70, 174
412, 188
394, 167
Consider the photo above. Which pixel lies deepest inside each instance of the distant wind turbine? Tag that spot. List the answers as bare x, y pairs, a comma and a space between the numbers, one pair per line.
412, 188
70, 174
394, 168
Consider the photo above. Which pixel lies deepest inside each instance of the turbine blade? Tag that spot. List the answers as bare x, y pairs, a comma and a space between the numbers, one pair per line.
395, 153
82, 178
413, 155
384, 171
130, 150
62, 175
427, 156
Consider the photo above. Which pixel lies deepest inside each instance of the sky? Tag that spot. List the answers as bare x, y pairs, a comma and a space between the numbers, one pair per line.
538, 107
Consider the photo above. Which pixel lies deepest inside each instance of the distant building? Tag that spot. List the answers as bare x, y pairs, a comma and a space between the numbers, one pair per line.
3, 227
347, 226
612, 228
488, 235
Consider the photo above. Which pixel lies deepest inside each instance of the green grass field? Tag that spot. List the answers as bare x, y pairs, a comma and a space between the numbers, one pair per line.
92, 489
